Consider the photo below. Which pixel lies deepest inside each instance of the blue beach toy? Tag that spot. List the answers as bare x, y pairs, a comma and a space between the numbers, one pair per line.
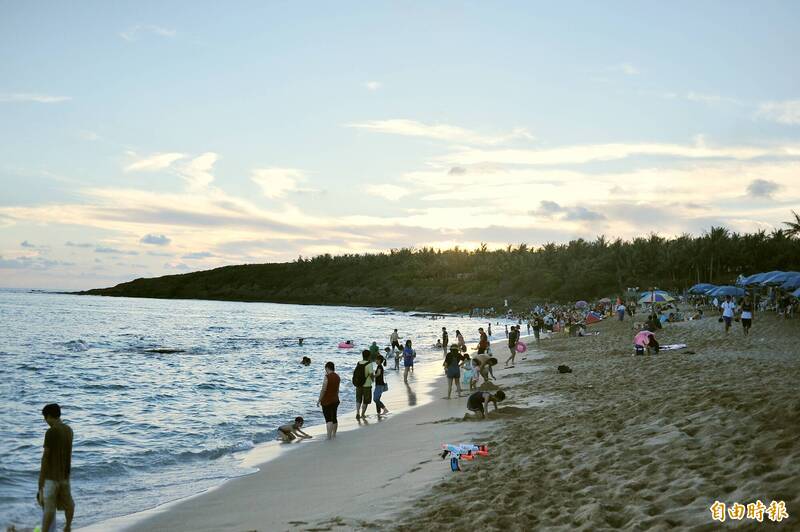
454, 464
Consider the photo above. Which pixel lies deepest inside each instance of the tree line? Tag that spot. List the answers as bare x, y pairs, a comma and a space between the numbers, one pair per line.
458, 279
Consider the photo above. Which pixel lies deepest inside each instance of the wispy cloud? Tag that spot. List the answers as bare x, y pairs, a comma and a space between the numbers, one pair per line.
134, 32
626, 68
443, 132
707, 98
277, 182
154, 162
114, 251
549, 209
387, 191
785, 112
373, 85
8, 97
197, 172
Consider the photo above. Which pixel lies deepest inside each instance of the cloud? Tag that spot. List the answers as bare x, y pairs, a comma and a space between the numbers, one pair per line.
133, 33
31, 263
31, 97
198, 255
176, 266
710, 98
785, 112
762, 188
105, 249
373, 85
154, 163
582, 154
277, 182
387, 191
26, 244
197, 172
582, 214
444, 132
574, 214
156, 240
78, 244
457, 170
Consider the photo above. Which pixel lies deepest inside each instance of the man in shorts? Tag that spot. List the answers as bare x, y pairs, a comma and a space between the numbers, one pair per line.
54, 491
513, 338
395, 341
478, 402
728, 308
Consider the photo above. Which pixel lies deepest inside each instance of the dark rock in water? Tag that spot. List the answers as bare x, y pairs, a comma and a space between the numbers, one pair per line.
164, 351
564, 369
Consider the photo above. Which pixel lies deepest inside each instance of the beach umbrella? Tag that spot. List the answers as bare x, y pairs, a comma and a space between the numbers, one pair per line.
581, 304
604, 300
779, 278
658, 296
796, 293
762, 280
756, 278
701, 288
733, 291
791, 283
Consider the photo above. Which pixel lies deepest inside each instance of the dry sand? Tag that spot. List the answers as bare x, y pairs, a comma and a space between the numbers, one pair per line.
623, 442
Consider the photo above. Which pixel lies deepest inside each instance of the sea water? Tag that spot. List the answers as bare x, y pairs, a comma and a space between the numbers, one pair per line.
150, 426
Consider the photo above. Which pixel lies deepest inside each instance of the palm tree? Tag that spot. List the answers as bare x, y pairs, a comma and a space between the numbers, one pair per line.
794, 227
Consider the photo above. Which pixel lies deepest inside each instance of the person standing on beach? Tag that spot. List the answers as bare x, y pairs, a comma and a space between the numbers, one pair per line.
538, 325
462, 345
445, 340
490, 329
747, 315
329, 399
380, 386
394, 339
408, 360
483, 342
728, 308
621, 311
54, 489
513, 338
362, 379
452, 361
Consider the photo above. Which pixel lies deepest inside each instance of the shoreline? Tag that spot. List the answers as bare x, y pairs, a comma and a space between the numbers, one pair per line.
268, 457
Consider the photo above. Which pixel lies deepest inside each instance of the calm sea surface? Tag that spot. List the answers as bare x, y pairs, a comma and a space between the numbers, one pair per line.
152, 427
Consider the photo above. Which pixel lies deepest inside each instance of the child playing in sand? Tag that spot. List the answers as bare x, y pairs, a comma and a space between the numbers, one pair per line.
290, 432
478, 402
467, 371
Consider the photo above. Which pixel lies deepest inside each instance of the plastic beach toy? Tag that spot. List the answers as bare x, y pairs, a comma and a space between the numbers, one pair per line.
521, 347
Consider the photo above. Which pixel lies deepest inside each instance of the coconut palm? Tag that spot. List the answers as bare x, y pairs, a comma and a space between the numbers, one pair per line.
794, 227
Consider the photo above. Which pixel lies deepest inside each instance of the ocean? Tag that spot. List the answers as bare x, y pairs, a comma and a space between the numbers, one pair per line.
167, 397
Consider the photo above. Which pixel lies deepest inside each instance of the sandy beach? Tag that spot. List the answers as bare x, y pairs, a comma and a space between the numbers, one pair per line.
622, 442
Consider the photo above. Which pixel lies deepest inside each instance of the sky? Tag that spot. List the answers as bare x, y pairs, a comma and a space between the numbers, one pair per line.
140, 139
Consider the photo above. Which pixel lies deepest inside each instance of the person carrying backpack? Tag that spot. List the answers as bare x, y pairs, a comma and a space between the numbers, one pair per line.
362, 380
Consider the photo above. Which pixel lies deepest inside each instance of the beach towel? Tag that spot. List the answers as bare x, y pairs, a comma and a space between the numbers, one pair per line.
672, 347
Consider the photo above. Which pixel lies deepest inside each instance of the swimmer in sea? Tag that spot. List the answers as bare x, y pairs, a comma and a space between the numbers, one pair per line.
306, 361
292, 431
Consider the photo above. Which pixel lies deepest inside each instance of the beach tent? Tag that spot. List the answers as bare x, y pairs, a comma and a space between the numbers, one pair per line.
593, 317
701, 288
656, 296
733, 291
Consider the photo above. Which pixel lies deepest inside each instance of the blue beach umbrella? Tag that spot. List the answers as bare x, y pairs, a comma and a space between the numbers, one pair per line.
767, 277
791, 283
779, 279
757, 278
733, 291
796, 293
701, 288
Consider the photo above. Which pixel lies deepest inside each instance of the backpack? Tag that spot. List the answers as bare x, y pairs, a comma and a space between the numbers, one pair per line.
359, 375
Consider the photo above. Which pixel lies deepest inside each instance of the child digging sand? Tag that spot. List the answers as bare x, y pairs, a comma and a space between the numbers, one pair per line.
290, 432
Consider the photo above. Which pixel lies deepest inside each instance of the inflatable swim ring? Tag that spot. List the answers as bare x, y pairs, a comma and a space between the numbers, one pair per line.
345, 345
521, 347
